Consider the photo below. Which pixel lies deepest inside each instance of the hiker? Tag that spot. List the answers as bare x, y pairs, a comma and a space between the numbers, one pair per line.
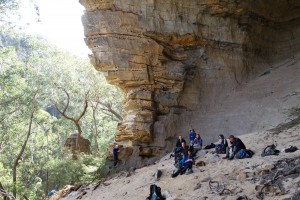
222, 140
192, 136
53, 191
115, 154
235, 145
184, 149
187, 165
221, 148
197, 143
180, 141
179, 154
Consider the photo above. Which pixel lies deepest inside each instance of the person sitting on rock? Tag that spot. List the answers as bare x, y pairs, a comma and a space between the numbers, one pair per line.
221, 148
178, 146
180, 153
197, 143
192, 136
187, 164
180, 141
235, 145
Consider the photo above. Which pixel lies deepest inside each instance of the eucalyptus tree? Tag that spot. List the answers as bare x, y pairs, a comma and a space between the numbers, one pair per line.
32, 72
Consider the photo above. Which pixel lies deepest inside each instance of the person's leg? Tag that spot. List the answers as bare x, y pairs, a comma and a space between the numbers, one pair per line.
115, 160
227, 153
183, 169
176, 173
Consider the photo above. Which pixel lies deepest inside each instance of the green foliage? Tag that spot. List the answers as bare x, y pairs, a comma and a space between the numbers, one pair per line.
28, 64
66, 171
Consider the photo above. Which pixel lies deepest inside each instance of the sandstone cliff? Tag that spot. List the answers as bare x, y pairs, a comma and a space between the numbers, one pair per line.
216, 66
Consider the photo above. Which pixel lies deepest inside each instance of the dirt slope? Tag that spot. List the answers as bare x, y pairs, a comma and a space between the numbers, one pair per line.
240, 177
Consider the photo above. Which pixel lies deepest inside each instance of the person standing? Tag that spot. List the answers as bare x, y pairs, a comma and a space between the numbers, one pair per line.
115, 154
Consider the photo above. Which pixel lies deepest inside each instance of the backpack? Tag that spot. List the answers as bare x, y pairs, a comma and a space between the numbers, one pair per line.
291, 149
241, 154
155, 193
249, 153
212, 145
220, 148
270, 150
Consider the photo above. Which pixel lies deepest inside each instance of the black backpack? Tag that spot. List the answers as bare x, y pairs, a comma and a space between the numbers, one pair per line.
212, 145
270, 150
155, 193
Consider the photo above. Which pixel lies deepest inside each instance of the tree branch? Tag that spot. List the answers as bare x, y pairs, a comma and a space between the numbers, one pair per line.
5, 194
108, 108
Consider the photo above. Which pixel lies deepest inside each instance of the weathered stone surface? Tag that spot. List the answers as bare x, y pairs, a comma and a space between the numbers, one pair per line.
208, 65
84, 144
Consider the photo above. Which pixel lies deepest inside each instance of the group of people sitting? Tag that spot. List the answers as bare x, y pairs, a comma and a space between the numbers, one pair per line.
184, 154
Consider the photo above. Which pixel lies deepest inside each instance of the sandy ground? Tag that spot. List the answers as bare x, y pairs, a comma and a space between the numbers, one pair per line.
238, 176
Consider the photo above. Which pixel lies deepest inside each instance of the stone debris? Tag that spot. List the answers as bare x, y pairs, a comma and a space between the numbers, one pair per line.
157, 174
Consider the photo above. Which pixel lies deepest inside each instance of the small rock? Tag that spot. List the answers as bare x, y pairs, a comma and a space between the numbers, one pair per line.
200, 153
264, 169
206, 179
267, 167
167, 195
214, 158
106, 184
200, 163
242, 176
198, 185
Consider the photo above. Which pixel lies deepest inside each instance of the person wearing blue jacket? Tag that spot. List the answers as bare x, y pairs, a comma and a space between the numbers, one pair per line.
192, 136
187, 164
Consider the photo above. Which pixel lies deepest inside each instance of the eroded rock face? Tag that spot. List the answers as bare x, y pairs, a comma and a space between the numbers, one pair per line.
84, 144
194, 64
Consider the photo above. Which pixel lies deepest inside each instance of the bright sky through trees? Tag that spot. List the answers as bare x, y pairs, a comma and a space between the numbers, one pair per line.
59, 21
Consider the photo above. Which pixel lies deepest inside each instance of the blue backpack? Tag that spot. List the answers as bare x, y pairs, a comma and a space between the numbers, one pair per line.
241, 154
220, 148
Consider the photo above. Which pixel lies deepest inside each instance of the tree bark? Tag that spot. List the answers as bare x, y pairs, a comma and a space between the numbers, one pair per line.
95, 132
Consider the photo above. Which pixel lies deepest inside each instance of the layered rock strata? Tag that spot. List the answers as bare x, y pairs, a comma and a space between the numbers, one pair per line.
178, 62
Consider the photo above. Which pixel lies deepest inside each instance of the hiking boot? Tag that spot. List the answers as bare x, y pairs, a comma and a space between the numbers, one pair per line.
189, 171
226, 157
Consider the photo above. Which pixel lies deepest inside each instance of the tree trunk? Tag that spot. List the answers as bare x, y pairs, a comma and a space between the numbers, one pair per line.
78, 135
16, 162
95, 133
